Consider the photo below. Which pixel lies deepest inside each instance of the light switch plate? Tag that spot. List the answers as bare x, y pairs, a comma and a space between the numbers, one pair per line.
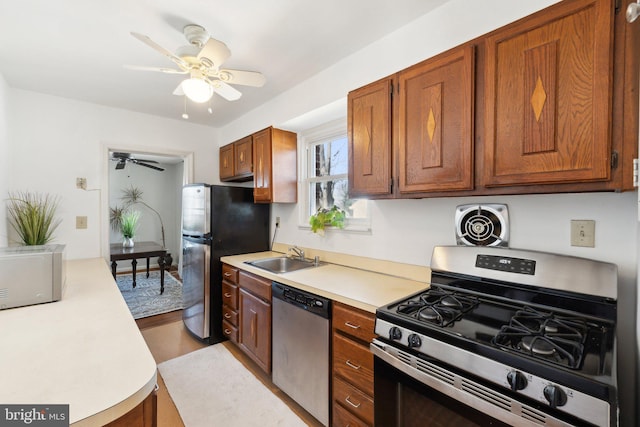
583, 233
81, 222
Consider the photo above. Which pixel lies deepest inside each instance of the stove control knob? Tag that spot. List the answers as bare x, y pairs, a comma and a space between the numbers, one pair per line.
516, 380
414, 340
395, 333
555, 396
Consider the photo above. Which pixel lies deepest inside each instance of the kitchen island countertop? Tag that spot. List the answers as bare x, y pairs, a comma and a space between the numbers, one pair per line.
356, 287
84, 350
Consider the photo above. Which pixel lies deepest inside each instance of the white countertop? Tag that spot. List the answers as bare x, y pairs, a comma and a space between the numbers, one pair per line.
356, 287
84, 350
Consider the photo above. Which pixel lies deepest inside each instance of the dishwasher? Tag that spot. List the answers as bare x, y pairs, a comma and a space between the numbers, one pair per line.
300, 348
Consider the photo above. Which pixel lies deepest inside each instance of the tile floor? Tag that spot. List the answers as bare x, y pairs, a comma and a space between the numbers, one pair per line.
167, 338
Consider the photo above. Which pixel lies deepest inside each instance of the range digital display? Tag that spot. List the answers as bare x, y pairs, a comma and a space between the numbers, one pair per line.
508, 264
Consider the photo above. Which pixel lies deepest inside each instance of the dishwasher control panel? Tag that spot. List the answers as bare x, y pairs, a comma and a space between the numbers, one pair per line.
305, 300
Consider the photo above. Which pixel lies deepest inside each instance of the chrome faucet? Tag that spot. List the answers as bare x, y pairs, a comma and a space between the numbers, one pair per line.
299, 252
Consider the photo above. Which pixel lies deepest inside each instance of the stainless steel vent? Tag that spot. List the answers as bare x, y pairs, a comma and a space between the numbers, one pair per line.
4, 293
482, 225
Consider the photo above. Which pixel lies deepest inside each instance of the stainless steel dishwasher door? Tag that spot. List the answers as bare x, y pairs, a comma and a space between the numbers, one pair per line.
300, 352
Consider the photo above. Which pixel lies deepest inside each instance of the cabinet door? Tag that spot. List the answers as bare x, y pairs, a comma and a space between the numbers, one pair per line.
262, 168
255, 329
369, 132
548, 97
243, 156
226, 162
435, 131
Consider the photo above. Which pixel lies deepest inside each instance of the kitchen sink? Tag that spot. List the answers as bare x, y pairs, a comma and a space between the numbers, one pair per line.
282, 264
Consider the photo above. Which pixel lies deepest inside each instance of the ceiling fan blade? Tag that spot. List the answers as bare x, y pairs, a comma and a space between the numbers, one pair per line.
240, 77
224, 90
145, 161
160, 69
179, 91
214, 51
137, 162
146, 40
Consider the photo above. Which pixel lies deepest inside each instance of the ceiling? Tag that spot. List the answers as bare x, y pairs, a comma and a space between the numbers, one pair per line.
77, 48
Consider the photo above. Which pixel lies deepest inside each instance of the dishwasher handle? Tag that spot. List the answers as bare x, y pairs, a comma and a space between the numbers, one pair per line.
312, 303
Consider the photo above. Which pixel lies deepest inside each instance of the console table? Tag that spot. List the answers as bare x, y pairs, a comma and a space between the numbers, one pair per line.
139, 250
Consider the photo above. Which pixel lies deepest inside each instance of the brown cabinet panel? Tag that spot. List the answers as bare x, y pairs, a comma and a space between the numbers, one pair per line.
257, 285
143, 415
369, 133
226, 162
275, 172
243, 156
351, 321
435, 123
230, 331
344, 418
548, 97
229, 273
229, 315
353, 400
229, 295
255, 329
354, 362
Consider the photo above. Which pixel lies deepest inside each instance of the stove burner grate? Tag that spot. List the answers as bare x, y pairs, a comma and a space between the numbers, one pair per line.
438, 306
546, 336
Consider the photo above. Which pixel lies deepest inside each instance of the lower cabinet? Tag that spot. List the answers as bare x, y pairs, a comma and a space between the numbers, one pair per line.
143, 415
246, 313
352, 396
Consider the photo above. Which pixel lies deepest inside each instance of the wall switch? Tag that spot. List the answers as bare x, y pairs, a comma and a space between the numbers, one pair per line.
81, 222
583, 233
81, 183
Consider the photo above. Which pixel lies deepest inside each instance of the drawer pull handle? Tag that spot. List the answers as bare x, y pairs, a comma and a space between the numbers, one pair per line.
227, 316
227, 274
351, 325
355, 405
227, 332
356, 367
227, 295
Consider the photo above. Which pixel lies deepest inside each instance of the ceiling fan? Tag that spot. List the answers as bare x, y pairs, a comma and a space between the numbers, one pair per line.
201, 60
123, 158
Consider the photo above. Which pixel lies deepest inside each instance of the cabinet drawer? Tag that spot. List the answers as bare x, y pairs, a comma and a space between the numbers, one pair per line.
229, 315
354, 362
257, 285
230, 273
230, 331
353, 400
344, 418
353, 322
230, 295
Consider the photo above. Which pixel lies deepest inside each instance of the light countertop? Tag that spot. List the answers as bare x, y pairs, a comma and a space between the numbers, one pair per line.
356, 287
84, 350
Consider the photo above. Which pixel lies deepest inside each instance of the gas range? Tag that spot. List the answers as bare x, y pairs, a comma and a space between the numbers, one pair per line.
533, 332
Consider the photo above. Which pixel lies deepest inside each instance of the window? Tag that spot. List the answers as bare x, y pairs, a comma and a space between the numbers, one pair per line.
326, 181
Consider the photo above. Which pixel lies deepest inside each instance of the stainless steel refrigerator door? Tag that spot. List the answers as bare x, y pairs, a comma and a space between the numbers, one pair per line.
196, 210
195, 287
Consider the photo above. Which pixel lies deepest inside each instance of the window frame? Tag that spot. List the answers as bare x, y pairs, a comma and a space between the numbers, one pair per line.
324, 133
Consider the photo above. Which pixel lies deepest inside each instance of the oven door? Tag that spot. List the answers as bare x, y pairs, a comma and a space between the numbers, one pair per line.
411, 391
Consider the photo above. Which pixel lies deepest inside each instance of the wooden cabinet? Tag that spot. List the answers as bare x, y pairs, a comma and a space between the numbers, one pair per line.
236, 161
254, 334
352, 394
547, 104
230, 302
548, 97
143, 415
275, 173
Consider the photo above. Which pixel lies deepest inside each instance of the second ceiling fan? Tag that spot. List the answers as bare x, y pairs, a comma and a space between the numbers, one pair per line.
201, 60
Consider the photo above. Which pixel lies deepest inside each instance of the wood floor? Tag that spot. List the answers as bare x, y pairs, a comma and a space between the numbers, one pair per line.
167, 338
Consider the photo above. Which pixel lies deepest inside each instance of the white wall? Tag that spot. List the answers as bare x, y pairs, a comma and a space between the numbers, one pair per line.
407, 230
4, 158
55, 140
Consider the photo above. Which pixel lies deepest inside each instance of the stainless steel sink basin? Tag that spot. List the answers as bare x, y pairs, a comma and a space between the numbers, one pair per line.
281, 264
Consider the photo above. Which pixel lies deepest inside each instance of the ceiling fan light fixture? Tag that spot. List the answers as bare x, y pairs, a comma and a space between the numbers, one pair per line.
197, 90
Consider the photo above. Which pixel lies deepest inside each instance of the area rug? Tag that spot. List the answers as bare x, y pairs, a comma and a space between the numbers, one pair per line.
210, 387
145, 300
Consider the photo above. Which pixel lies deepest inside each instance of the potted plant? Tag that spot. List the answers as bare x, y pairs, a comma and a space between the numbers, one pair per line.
333, 217
32, 215
128, 226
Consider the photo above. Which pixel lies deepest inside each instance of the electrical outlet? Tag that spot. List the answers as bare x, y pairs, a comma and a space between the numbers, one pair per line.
81, 222
277, 221
81, 183
583, 233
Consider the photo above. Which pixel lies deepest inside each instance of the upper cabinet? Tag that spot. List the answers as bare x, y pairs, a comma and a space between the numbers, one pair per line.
546, 104
548, 97
269, 158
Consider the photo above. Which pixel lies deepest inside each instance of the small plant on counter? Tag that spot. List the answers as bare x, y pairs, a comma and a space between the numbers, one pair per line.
333, 217
32, 215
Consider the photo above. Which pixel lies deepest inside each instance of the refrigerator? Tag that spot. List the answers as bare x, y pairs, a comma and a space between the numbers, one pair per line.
216, 221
